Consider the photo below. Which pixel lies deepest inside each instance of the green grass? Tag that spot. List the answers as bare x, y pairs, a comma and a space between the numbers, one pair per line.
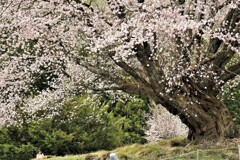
69, 157
163, 149
76, 157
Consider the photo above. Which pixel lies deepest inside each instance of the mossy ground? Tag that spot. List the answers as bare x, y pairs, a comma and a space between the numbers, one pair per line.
165, 149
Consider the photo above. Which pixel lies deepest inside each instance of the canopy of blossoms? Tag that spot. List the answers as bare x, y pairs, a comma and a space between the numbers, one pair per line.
113, 45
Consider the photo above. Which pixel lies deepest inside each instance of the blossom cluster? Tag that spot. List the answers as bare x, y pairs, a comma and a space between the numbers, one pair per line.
126, 43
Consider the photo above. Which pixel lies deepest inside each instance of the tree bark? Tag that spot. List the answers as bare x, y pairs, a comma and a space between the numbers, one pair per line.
208, 118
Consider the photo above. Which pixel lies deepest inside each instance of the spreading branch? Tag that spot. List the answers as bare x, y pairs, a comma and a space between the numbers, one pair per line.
231, 72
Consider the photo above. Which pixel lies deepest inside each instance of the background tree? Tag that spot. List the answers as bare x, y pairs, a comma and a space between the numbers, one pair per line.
177, 53
230, 96
163, 125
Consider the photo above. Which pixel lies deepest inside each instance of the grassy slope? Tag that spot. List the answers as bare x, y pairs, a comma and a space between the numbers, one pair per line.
167, 148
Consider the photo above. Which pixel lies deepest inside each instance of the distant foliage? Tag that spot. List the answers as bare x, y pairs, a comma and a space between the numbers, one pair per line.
13, 152
83, 124
230, 97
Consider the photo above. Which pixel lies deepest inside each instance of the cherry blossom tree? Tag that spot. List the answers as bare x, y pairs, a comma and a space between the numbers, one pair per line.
178, 53
163, 125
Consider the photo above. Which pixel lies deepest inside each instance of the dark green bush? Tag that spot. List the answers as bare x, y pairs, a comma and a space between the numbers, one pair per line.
7, 151
25, 152
12, 152
82, 125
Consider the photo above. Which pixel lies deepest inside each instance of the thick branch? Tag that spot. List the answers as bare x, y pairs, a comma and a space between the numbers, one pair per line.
101, 72
232, 17
231, 72
132, 73
125, 87
152, 69
223, 57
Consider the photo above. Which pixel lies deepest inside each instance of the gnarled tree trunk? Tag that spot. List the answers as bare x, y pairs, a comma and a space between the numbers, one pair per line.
206, 116
209, 119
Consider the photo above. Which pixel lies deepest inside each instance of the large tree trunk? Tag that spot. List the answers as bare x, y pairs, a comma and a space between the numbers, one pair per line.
208, 118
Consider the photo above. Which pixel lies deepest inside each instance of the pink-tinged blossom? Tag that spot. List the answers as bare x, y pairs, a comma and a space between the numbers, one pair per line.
163, 125
112, 45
